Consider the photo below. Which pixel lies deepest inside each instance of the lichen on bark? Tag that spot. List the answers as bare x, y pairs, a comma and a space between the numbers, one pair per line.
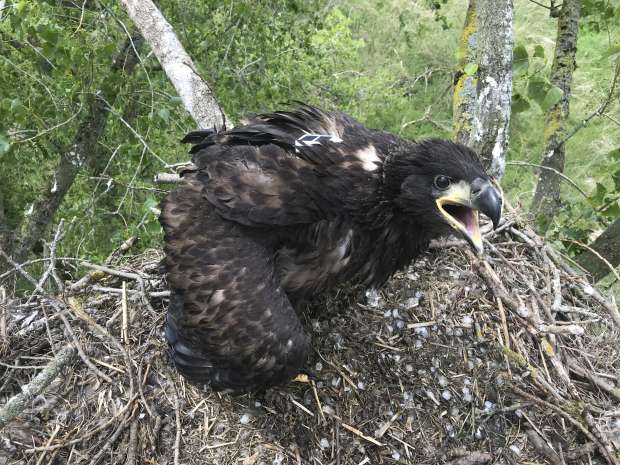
546, 199
481, 100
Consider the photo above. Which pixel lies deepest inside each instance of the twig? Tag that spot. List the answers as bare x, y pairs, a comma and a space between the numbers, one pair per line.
559, 173
541, 446
19, 402
599, 382
177, 419
540, 4
112, 271
132, 447
4, 340
125, 315
88, 434
601, 447
599, 111
59, 311
80, 350
51, 267
49, 441
361, 435
112, 439
599, 256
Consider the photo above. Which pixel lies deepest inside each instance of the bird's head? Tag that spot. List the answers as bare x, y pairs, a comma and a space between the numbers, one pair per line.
443, 188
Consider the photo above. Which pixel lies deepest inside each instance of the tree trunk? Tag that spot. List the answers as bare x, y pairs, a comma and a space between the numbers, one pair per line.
608, 246
482, 94
83, 151
195, 93
547, 196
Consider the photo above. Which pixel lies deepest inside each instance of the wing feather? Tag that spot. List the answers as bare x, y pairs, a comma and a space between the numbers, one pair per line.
229, 323
261, 174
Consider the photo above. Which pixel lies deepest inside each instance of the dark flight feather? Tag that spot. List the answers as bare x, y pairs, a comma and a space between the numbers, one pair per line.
280, 208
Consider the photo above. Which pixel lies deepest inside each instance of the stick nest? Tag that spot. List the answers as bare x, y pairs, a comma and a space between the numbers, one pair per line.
513, 358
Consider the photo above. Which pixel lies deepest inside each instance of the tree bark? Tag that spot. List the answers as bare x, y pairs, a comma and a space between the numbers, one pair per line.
482, 94
608, 246
17, 404
197, 96
82, 152
547, 196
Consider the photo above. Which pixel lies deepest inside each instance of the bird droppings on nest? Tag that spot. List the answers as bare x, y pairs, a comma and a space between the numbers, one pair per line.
482, 371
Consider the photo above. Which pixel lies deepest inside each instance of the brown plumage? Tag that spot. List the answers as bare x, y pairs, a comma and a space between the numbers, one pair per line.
286, 206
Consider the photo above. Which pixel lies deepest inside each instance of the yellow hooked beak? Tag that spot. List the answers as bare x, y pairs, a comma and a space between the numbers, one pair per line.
461, 204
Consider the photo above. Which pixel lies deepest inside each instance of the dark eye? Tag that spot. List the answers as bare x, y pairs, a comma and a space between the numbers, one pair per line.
442, 182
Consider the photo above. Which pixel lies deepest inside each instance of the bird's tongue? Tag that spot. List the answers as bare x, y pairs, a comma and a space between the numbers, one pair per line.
469, 220
465, 216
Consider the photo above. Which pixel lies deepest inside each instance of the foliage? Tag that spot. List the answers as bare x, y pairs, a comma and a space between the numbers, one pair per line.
390, 63
590, 152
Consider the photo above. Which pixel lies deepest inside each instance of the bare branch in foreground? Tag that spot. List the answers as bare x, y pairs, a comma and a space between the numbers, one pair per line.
18, 403
197, 96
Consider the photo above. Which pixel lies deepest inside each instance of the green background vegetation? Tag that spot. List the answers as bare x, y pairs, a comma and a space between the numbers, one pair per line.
389, 63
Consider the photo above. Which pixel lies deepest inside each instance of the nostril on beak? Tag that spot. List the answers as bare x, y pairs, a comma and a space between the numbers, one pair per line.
477, 186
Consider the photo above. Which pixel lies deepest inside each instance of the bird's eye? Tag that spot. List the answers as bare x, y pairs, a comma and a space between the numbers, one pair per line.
442, 182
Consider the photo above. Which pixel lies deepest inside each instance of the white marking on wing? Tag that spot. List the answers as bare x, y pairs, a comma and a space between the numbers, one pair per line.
368, 156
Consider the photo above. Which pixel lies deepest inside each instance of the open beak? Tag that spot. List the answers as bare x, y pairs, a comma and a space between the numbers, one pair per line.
462, 203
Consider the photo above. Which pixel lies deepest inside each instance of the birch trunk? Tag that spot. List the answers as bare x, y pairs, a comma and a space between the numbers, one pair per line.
482, 94
195, 93
547, 196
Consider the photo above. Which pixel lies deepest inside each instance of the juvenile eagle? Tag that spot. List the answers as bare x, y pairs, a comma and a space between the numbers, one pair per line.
286, 206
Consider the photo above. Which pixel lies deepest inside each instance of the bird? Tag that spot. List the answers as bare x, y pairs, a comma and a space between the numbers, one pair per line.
284, 207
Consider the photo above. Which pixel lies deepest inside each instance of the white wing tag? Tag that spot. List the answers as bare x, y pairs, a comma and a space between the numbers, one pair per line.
315, 139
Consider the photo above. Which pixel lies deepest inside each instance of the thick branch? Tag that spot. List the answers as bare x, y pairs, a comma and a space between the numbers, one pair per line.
547, 197
195, 93
21, 401
482, 95
83, 152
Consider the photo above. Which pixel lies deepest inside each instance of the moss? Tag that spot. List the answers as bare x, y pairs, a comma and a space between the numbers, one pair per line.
469, 29
515, 357
97, 275
461, 117
553, 123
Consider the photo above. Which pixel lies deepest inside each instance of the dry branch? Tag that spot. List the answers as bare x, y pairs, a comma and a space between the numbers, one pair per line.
508, 324
18, 403
197, 96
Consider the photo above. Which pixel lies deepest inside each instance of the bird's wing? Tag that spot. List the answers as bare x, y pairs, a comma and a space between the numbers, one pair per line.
229, 323
294, 167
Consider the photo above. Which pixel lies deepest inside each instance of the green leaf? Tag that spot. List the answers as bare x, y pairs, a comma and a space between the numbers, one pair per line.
613, 210
21, 6
554, 95
519, 103
537, 89
599, 195
614, 154
471, 68
520, 60
539, 51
